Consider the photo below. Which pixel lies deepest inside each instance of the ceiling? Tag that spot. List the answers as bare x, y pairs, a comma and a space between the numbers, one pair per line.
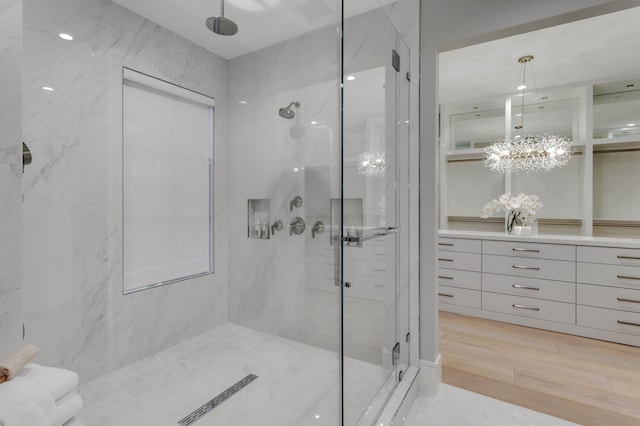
600, 48
261, 22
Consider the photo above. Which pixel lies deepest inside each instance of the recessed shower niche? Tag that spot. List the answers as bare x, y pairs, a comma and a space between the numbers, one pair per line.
258, 219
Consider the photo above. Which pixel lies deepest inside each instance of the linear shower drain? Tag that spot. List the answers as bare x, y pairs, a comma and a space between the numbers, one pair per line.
207, 407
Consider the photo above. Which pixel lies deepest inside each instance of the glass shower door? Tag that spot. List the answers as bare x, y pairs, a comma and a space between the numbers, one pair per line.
375, 215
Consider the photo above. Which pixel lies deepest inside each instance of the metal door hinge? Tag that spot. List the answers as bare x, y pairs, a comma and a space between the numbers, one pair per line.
395, 354
408, 76
408, 337
395, 60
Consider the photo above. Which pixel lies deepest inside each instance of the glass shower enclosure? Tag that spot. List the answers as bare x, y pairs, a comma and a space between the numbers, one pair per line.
308, 157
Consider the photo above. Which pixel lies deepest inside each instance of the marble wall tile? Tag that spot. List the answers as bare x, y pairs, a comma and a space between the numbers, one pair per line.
74, 307
10, 176
270, 287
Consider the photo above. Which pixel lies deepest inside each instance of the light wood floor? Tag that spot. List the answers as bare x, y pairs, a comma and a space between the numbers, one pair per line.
586, 381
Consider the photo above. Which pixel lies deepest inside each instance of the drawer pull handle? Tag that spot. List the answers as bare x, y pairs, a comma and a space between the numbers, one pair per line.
449, 260
628, 323
445, 295
524, 287
530, 308
626, 277
531, 268
629, 257
620, 299
526, 250
445, 278
446, 244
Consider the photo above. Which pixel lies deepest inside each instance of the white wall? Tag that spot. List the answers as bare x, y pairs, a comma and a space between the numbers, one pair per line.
446, 24
73, 303
10, 176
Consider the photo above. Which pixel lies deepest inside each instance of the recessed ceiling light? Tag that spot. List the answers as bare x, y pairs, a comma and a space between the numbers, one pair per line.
351, 77
65, 36
521, 87
519, 115
242, 102
48, 89
631, 124
314, 122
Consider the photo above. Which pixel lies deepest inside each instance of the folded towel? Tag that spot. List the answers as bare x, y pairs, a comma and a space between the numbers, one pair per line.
24, 402
11, 365
57, 381
68, 407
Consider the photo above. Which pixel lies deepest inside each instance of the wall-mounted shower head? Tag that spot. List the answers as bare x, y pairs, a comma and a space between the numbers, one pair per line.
221, 25
287, 112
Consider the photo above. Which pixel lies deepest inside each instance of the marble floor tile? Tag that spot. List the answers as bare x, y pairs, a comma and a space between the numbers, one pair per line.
453, 406
297, 384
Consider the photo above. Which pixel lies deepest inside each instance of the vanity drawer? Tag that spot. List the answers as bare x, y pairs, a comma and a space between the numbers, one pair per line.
534, 250
623, 299
559, 291
459, 244
558, 270
459, 296
609, 275
459, 278
459, 260
527, 307
609, 319
609, 255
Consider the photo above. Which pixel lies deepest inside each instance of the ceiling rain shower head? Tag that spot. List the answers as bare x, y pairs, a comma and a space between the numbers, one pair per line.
221, 25
288, 112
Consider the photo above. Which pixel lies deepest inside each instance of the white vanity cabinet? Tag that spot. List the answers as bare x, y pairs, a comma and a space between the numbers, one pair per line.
582, 286
459, 272
608, 293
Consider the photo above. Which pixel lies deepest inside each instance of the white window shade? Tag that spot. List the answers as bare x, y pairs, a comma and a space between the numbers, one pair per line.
167, 182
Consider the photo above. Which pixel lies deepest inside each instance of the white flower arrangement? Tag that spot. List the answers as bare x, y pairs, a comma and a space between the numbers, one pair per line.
522, 209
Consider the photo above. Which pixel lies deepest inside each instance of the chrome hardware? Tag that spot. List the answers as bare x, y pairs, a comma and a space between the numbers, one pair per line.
620, 299
445, 295
626, 277
628, 258
371, 234
524, 287
278, 225
445, 260
297, 226
526, 250
395, 353
446, 244
445, 278
296, 202
317, 228
530, 308
347, 284
26, 155
530, 268
628, 323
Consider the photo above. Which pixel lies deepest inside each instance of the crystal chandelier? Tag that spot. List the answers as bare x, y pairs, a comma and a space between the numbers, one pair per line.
527, 153
371, 163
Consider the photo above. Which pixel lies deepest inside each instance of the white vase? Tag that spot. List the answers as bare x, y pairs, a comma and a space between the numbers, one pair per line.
522, 230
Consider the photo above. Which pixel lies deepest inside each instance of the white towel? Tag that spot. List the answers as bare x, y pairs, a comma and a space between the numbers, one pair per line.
68, 407
57, 381
25, 402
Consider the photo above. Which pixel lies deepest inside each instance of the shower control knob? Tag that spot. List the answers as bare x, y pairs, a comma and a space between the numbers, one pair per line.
317, 228
277, 226
296, 202
297, 226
